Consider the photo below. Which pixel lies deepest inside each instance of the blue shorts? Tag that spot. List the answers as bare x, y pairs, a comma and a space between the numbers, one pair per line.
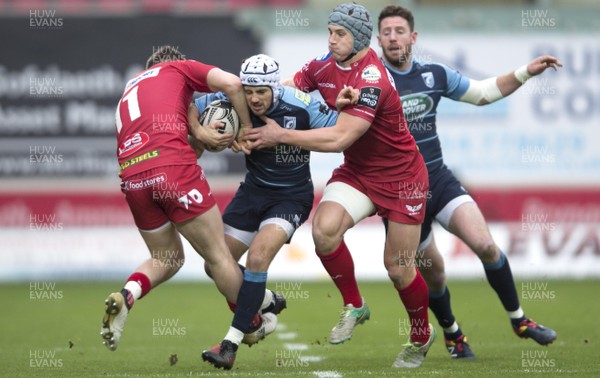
252, 205
443, 188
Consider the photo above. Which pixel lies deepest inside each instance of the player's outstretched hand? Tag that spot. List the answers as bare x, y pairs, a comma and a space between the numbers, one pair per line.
347, 96
213, 139
539, 64
264, 136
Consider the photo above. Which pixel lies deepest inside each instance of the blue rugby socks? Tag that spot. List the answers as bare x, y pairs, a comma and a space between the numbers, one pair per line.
249, 299
501, 280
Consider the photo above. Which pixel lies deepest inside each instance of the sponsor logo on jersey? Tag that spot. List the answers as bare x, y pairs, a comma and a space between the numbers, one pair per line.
144, 183
133, 143
289, 122
327, 85
304, 97
414, 210
371, 74
416, 106
192, 197
144, 75
138, 159
369, 97
428, 79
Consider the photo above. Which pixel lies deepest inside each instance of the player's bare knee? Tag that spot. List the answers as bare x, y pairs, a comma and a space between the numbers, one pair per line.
207, 270
325, 239
488, 252
394, 274
401, 276
257, 261
428, 274
435, 278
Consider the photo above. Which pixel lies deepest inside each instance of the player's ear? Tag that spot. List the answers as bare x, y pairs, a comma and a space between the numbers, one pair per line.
413, 37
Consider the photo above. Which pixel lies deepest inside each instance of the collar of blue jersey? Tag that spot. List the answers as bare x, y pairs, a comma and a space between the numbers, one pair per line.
391, 68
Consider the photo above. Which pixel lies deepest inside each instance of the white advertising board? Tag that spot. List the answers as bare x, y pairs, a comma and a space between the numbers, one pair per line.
534, 250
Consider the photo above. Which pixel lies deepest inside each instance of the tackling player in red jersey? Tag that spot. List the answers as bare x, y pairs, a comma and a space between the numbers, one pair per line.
383, 172
164, 187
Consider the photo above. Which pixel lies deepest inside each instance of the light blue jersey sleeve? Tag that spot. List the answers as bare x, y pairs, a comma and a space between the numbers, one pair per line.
203, 101
319, 113
456, 83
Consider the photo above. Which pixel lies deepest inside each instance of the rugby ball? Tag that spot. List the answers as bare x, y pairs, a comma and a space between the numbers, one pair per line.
222, 111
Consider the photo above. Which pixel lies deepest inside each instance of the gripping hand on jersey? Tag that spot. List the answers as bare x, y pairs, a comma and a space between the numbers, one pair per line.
347, 96
264, 136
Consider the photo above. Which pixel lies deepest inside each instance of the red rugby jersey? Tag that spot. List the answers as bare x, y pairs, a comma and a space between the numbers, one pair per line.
387, 151
151, 117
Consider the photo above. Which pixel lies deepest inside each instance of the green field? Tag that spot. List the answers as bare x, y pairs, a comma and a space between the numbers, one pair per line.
52, 329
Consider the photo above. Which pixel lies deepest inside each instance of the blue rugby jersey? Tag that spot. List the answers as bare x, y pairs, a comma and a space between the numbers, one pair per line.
421, 89
283, 165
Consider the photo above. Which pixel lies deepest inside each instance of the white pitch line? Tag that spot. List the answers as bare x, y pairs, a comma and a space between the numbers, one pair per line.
297, 346
287, 335
327, 374
311, 358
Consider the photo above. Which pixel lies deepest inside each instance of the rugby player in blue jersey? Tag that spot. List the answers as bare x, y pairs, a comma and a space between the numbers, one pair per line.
274, 199
448, 202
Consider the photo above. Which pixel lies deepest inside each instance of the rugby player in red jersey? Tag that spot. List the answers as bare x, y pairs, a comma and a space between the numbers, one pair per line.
163, 185
383, 172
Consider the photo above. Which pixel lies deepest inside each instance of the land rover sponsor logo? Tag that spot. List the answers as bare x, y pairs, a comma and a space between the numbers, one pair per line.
416, 106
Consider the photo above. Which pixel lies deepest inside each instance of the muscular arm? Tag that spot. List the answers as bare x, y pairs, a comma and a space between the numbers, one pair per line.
221, 81
330, 139
492, 89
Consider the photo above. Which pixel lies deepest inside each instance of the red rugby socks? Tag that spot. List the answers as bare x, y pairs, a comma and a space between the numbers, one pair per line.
340, 266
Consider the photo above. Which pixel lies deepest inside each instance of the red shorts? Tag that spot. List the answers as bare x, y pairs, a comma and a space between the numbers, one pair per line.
173, 193
399, 201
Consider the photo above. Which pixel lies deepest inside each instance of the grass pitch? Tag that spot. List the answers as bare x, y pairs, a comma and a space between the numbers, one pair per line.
52, 329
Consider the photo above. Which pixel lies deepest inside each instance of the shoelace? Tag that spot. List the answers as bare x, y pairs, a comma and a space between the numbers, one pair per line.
343, 315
